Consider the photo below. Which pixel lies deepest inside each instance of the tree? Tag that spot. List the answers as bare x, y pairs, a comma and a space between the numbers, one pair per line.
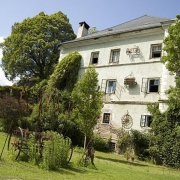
65, 73
87, 100
165, 148
12, 112
31, 51
92, 30
54, 105
172, 60
172, 47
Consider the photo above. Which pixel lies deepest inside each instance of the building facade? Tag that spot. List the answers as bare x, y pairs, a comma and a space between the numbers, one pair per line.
127, 59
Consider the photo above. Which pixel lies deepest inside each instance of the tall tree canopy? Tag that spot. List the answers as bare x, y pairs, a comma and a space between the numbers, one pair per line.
31, 51
165, 146
55, 103
172, 60
172, 47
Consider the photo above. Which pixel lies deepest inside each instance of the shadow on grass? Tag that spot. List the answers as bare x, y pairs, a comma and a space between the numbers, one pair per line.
71, 168
68, 169
120, 161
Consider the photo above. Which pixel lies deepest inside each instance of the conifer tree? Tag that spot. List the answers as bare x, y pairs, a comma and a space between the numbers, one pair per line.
87, 100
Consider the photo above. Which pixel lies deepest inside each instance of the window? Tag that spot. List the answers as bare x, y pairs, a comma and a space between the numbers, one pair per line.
146, 120
112, 146
94, 57
106, 118
156, 51
110, 86
153, 85
150, 85
114, 56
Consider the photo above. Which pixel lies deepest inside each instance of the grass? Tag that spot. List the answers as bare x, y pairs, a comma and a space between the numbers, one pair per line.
109, 166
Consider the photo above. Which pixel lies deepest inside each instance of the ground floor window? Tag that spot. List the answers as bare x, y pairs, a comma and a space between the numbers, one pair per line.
112, 146
146, 120
106, 118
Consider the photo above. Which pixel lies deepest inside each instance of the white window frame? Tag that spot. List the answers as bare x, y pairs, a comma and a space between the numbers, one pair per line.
93, 54
146, 120
110, 89
106, 117
146, 85
156, 49
114, 57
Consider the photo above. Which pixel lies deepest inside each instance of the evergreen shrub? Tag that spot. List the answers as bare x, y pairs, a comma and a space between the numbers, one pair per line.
100, 144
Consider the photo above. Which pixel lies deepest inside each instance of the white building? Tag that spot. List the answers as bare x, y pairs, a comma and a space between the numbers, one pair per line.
127, 58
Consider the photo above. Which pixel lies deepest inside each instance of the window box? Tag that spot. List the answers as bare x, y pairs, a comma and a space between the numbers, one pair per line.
131, 51
130, 81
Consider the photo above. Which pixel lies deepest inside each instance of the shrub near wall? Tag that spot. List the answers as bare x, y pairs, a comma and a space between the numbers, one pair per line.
140, 143
124, 142
133, 143
100, 144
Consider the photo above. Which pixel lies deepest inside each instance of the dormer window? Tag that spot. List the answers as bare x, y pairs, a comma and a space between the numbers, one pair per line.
94, 58
156, 50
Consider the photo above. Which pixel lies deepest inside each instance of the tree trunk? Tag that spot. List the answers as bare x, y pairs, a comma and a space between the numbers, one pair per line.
84, 142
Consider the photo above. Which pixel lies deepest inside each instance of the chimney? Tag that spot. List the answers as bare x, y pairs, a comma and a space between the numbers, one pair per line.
83, 29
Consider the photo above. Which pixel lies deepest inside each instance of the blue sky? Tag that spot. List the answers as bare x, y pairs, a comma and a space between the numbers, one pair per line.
101, 14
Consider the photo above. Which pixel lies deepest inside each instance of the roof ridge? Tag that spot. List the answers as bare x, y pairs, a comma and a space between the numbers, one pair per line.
157, 16
125, 22
133, 20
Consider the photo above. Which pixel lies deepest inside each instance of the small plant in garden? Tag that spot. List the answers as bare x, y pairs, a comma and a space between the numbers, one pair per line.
124, 141
50, 150
56, 151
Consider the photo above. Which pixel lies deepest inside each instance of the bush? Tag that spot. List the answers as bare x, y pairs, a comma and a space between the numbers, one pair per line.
56, 151
52, 152
140, 142
165, 148
124, 142
100, 144
12, 111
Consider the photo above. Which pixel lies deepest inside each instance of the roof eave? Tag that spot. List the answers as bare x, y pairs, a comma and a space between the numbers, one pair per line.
112, 33
167, 23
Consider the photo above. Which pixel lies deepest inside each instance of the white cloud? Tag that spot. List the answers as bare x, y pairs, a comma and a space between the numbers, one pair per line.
3, 80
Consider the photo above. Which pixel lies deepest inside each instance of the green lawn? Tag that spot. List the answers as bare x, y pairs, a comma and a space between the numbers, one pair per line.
108, 167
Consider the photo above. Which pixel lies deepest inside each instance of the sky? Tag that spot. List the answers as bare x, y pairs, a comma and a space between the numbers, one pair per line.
101, 14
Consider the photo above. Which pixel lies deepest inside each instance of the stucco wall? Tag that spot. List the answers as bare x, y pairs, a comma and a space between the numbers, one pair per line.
130, 98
